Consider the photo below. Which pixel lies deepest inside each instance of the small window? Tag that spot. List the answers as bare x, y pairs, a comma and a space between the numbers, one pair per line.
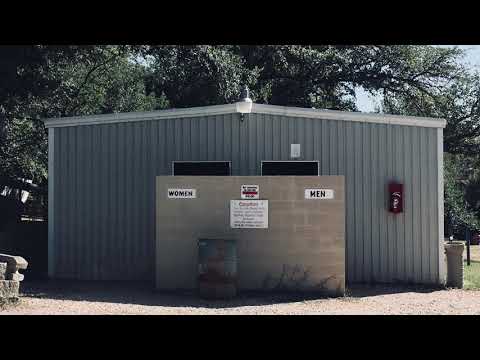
201, 168
285, 168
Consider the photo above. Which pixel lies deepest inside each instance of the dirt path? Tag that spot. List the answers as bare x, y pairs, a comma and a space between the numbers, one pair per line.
92, 298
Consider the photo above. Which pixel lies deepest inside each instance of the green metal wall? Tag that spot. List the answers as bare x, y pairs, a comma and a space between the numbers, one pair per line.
104, 183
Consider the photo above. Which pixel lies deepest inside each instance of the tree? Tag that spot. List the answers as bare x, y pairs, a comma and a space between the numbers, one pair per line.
472, 191
326, 76
457, 101
412, 80
26, 78
42, 82
460, 210
53, 81
296, 75
196, 75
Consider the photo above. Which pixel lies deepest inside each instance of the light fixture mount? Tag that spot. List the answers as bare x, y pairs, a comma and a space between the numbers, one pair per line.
244, 105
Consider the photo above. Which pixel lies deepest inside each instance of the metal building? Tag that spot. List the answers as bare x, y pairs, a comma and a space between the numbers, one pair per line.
102, 182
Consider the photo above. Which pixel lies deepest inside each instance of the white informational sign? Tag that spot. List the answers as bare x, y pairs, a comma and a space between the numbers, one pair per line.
318, 194
249, 191
294, 151
249, 214
182, 193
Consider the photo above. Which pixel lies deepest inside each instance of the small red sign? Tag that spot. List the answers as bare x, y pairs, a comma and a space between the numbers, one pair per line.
395, 197
249, 191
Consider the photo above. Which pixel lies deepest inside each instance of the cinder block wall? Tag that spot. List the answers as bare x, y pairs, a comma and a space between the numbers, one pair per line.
303, 247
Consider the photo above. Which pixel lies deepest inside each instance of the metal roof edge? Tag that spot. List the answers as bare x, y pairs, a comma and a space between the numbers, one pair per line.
140, 116
349, 116
256, 108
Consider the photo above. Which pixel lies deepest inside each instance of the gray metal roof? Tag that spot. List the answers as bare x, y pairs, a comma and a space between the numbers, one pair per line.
256, 108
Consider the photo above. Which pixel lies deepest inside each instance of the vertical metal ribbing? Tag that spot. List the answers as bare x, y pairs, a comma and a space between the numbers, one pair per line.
121, 194
358, 188
432, 231
375, 203
389, 221
408, 204
350, 200
367, 205
424, 204
440, 235
290, 138
61, 161
51, 203
400, 175
105, 242
125, 155
383, 177
112, 188
417, 270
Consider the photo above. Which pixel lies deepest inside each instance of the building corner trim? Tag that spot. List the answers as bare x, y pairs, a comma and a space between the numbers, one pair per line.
51, 203
441, 253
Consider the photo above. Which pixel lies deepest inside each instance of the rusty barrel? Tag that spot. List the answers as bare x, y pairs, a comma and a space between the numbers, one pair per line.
217, 268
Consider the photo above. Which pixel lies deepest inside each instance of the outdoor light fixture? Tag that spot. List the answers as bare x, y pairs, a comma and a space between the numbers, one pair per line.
244, 106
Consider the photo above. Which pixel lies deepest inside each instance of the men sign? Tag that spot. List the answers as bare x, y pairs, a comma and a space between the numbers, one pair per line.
249, 191
182, 193
318, 194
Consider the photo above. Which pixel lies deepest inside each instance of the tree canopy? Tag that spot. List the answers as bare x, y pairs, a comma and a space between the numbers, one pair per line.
44, 81
53, 81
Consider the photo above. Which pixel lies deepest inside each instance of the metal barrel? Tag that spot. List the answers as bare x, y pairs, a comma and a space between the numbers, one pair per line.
217, 268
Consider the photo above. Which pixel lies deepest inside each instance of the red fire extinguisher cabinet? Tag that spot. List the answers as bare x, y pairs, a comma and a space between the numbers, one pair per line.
395, 192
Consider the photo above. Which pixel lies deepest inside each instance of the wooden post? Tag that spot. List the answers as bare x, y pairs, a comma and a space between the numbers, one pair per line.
467, 238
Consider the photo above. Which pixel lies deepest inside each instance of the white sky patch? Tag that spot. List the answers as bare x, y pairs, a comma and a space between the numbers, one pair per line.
365, 101
472, 55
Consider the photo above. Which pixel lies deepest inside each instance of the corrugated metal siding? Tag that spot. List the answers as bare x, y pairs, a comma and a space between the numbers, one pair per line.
105, 181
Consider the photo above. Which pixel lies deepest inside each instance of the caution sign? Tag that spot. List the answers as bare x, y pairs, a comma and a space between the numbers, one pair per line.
252, 214
249, 191
318, 194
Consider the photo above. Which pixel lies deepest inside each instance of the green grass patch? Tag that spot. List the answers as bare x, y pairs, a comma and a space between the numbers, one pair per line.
471, 275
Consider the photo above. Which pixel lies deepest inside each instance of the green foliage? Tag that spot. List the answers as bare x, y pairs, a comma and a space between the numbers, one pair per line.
326, 76
458, 102
472, 193
42, 82
53, 81
196, 75
459, 213
295, 75
25, 76
104, 79
24, 150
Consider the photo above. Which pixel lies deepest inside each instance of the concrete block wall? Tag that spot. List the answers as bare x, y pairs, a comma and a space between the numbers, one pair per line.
9, 276
303, 247
8, 288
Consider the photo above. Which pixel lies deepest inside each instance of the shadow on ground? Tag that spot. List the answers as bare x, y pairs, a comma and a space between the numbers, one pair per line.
142, 294
360, 291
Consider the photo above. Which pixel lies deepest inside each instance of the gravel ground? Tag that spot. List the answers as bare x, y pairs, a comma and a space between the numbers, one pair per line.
123, 298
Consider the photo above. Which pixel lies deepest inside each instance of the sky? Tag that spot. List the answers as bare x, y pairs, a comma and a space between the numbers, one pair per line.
366, 103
